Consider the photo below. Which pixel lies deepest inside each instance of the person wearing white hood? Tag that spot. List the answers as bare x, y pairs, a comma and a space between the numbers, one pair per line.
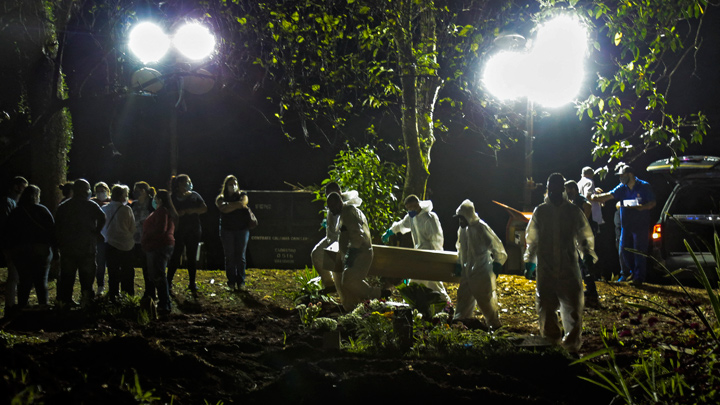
424, 226
481, 255
355, 254
557, 231
332, 234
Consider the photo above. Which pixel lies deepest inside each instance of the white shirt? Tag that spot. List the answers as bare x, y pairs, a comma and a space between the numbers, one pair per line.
586, 187
119, 229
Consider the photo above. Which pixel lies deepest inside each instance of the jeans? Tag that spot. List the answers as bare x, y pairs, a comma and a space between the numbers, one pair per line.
100, 264
12, 280
121, 272
140, 259
82, 265
189, 241
635, 263
33, 266
235, 245
156, 262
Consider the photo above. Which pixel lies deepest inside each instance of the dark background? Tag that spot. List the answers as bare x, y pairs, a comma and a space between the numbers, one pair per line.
227, 132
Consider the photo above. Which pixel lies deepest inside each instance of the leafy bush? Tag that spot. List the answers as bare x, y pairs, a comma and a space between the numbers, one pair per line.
681, 365
377, 181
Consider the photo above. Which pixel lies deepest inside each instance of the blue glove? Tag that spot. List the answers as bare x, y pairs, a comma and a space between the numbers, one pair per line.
458, 270
323, 224
530, 270
386, 237
497, 268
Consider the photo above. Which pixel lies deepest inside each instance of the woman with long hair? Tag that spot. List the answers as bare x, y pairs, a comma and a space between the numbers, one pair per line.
142, 207
101, 198
31, 231
119, 242
234, 230
189, 205
158, 242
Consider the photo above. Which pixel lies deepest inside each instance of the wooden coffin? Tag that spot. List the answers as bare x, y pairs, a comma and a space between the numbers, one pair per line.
398, 262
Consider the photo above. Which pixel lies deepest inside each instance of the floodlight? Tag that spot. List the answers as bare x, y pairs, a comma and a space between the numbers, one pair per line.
148, 42
505, 75
194, 41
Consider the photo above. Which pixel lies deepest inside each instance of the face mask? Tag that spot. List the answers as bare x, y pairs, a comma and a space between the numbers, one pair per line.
102, 196
154, 204
412, 213
556, 197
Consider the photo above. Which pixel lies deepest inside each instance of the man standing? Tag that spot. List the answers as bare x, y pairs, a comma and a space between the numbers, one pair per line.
332, 234
424, 226
355, 254
9, 203
481, 255
589, 276
636, 199
557, 230
78, 224
586, 188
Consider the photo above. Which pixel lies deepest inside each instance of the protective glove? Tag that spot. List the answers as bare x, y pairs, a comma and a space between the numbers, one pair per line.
386, 237
530, 270
588, 261
323, 224
497, 268
458, 270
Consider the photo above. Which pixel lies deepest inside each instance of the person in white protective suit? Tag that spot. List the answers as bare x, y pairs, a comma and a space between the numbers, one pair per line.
332, 234
424, 226
557, 231
354, 255
481, 255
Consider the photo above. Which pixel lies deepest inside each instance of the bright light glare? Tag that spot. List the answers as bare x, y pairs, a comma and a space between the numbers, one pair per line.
506, 76
148, 42
551, 74
194, 41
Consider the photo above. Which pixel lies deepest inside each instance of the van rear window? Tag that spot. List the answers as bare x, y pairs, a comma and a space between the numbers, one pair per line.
697, 200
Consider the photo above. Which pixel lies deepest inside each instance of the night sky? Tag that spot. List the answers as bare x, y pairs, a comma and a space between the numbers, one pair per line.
223, 132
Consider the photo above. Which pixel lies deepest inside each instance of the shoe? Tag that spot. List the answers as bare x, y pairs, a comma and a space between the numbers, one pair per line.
637, 283
592, 301
624, 279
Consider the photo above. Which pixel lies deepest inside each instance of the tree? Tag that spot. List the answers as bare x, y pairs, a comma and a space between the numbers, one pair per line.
650, 40
329, 60
31, 33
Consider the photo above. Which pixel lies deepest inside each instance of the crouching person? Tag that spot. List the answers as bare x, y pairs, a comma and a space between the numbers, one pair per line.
355, 254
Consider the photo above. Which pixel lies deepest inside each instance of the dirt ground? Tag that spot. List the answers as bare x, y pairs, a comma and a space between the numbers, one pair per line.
250, 347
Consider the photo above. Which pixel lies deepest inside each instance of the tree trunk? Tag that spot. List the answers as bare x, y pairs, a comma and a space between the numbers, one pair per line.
420, 86
50, 132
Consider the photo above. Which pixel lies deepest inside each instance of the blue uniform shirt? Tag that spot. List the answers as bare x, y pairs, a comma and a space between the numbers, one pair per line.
631, 218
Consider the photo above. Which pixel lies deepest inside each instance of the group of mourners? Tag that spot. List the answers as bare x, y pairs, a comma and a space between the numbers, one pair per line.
87, 234
559, 251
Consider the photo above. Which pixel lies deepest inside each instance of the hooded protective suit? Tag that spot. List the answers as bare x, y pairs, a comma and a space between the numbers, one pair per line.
426, 234
478, 247
554, 236
332, 234
355, 253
